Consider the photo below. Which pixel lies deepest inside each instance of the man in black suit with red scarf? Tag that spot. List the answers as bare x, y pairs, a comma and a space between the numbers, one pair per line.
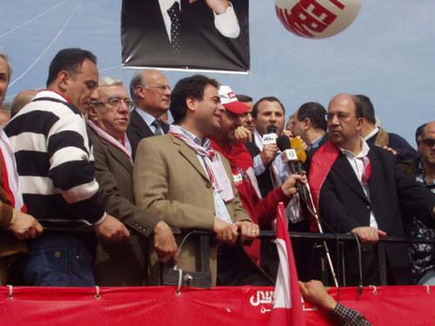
362, 190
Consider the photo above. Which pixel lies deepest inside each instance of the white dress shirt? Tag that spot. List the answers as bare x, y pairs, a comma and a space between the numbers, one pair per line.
357, 164
226, 23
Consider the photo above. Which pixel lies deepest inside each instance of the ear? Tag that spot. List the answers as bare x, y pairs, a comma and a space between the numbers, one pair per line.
307, 123
191, 103
92, 114
139, 91
359, 123
63, 78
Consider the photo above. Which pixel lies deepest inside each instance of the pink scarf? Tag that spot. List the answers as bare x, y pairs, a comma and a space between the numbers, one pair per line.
123, 147
213, 164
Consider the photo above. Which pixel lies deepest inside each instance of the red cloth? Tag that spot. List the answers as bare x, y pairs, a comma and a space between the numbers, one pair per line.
261, 211
321, 164
287, 308
5, 180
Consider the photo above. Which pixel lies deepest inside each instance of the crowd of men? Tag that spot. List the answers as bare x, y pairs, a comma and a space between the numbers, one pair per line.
98, 188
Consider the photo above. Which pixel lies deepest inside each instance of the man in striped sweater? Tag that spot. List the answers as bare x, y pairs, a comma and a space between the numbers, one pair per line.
56, 168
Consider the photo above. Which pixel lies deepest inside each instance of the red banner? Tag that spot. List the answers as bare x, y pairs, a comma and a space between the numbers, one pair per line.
28, 306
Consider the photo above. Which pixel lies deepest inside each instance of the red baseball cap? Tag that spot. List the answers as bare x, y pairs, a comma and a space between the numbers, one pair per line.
230, 102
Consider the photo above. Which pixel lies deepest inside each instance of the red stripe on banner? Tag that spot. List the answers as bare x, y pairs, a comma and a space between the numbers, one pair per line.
239, 306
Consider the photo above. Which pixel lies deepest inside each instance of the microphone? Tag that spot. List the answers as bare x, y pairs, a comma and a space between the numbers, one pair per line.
293, 154
271, 135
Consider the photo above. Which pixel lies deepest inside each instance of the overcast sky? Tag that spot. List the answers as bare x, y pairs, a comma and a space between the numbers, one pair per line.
388, 53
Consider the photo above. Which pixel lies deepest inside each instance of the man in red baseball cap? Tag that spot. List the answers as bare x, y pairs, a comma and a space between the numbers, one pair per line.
261, 211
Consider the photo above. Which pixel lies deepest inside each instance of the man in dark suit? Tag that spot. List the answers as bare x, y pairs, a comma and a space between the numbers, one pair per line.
375, 135
358, 189
122, 264
212, 34
309, 123
151, 94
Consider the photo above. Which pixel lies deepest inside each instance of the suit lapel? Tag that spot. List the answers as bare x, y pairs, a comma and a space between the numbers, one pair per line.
119, 156
139, 126
190, 155
375, 178
344, 170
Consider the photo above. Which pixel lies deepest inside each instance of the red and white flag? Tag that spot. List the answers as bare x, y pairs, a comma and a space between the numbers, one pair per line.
287, 307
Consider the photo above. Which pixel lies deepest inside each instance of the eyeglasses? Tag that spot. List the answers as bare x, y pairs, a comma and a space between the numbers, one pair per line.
115, 102
160, 87
428, 142
340, 116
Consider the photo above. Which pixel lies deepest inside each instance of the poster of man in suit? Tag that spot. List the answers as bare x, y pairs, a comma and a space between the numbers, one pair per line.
186, 34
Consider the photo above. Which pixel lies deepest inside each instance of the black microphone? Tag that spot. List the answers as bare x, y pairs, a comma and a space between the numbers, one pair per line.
272, 129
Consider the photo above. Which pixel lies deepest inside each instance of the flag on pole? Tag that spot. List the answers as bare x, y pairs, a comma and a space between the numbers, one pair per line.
287, 307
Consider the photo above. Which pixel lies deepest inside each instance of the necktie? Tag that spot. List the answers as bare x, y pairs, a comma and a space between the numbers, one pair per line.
367, 173
158, 128
174, 14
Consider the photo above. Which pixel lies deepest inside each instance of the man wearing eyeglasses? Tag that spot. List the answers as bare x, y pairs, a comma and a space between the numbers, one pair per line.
151, 95
358, 189
121, 264
423, 170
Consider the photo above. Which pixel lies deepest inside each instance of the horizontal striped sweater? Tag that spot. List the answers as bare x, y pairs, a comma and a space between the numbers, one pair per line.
55, 161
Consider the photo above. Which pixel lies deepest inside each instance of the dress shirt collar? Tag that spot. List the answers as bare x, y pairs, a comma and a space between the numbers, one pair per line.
372, 133
148, 118
206, 143
166, 4
364, 151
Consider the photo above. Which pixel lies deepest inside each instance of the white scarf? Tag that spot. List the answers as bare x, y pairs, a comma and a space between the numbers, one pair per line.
213, 164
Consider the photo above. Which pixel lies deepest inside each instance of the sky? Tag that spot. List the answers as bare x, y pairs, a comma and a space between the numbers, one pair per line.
387, 53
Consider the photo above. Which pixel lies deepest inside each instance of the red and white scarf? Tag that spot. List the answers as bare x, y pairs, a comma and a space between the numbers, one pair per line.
212, 162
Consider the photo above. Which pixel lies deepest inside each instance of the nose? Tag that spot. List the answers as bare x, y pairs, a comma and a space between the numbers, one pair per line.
334, 120
272, 118
220, 107
123, 107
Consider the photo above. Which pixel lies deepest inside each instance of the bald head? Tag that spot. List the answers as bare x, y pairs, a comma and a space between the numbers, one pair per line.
21, 100
150, 91
350, 100
429, 129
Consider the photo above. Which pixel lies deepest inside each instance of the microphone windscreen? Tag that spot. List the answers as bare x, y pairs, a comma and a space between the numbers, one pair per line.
283, 143
272, 129
298, 145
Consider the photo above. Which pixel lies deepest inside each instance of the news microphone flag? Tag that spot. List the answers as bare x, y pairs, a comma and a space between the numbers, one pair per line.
287, 307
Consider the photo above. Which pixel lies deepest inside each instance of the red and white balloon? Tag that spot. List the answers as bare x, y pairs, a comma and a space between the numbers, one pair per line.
317, 18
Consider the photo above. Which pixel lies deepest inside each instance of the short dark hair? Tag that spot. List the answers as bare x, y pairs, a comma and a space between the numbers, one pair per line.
244, 98
189, 87
419, 133
315, 112
135, 82
71, 60
268, 99
368, 110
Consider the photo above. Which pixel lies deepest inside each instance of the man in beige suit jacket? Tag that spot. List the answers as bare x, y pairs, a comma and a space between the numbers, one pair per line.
178, 179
